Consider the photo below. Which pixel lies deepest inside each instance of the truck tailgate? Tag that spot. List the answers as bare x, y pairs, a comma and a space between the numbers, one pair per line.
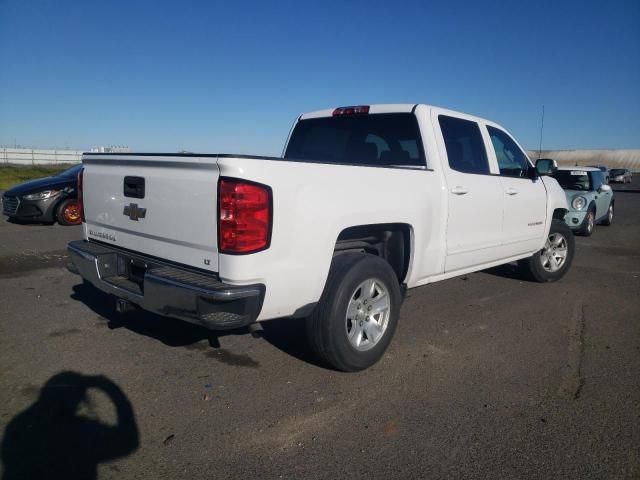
162, 206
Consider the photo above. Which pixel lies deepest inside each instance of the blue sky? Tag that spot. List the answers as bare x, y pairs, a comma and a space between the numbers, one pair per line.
231, 76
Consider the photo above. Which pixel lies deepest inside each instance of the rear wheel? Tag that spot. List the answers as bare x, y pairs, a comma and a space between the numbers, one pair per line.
608, 220
68, 212
553, 261
354, 322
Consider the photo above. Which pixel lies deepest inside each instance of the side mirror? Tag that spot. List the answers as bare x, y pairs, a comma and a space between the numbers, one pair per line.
546, 166
605, 188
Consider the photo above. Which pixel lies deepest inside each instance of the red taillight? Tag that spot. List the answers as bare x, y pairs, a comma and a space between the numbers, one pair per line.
79, 189
355, 110
244, 216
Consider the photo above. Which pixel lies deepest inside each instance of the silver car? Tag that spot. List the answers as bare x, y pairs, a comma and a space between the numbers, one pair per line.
620, 175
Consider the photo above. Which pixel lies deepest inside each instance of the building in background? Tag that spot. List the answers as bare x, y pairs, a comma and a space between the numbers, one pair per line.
111, 149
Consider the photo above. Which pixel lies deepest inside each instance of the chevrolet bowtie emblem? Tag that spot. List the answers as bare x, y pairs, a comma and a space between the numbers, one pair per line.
134, 212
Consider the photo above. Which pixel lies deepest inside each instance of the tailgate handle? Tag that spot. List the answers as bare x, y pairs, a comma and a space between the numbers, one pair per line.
134, 187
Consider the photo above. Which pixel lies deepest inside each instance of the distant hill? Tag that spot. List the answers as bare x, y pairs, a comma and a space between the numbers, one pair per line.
617, 158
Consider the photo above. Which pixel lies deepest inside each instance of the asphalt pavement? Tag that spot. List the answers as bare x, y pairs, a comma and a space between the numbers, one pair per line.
489, 376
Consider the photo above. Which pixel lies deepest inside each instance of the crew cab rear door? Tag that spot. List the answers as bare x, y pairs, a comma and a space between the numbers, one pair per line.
163, 206
474, 222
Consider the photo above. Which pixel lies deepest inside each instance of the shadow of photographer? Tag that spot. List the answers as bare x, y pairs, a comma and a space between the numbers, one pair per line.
55, 438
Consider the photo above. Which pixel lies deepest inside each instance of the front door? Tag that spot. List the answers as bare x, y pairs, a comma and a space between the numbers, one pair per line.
525, 200
602, 198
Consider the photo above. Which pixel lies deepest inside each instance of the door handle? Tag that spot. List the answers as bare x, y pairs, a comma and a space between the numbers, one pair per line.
511, 191
458, 190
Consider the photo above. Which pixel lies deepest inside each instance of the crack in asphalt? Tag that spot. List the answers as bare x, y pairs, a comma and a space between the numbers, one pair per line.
573, 378
581, 342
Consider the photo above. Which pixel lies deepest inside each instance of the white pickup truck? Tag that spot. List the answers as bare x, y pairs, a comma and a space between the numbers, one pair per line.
365, 202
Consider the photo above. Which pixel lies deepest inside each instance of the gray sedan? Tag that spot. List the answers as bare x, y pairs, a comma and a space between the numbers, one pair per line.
620, 175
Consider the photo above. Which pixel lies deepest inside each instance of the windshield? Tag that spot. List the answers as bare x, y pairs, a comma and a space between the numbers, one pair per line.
573, 179
389, 139
71, 172
617, 171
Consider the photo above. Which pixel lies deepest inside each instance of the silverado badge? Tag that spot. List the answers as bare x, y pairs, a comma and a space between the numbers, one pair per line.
134, 212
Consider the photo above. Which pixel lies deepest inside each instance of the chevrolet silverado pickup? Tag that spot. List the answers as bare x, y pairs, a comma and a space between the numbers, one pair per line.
364, 203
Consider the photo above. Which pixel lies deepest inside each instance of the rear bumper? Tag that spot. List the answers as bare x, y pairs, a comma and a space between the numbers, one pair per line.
168, 290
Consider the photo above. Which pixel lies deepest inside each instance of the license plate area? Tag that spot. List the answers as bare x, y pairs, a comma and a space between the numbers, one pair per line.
123, 271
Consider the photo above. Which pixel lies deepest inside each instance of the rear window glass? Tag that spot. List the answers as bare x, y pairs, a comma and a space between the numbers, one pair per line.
389, 139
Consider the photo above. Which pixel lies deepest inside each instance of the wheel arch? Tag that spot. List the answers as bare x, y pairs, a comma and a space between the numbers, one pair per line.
389, 241
63, 197
559, 213
55, 209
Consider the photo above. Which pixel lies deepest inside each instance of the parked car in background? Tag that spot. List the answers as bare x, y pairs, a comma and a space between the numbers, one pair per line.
590, 199
45, 200
604, 169
620, 175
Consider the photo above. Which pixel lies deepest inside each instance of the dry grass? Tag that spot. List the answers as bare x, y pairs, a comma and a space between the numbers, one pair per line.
13, 174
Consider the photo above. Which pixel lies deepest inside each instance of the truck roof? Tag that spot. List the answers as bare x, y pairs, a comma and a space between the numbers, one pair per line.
392, 108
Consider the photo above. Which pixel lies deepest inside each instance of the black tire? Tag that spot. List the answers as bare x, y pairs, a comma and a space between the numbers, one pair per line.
328, 324
608, 220
534, 265
589, 223
62, 212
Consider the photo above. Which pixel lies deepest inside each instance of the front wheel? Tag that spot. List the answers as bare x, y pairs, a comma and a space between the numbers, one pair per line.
588, 224
608, 220
68, 212
354, 322
553, 261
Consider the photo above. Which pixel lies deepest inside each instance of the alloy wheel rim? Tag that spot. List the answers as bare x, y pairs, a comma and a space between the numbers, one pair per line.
590, 221
610, 213
367, 316
554, 253
71, 213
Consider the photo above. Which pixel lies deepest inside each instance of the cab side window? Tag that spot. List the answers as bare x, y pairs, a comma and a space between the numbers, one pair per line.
511, 160
465, 148
597, 179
